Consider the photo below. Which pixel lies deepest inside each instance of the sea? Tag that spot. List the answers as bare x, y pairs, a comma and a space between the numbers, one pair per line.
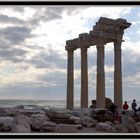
45, 103
40, 103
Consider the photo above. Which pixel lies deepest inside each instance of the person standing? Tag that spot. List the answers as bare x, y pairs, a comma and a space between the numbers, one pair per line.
134, 105
125, 106
113, 108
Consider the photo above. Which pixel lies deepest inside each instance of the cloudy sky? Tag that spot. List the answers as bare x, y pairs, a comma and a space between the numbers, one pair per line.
33, 60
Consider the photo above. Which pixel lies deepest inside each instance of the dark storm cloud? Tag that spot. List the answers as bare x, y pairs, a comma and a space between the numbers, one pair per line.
14, 55
48, 59
7, 19
9, 37
70, 10
49, 14
15, 35
4, 44
53, 12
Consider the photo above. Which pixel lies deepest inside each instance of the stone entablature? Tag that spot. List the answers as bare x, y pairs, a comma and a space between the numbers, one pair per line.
105, 31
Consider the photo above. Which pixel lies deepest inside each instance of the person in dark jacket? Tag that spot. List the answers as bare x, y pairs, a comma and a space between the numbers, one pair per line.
113, 108
134, 105
93, 104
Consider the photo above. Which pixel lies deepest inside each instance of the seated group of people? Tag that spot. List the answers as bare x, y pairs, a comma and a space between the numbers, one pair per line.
114, 109
125, 106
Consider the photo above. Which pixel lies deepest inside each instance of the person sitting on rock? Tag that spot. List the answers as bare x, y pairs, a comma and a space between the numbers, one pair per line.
125, 106
134, 105
113, 108
117, 118
93, 104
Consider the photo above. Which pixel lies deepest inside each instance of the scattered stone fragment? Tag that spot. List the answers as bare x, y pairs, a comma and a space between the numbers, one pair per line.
65, 128
6, 123
120, 128
104, 127
21, 124
88, 121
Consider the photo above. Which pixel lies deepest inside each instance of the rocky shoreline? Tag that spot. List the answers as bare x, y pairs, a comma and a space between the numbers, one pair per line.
21, 119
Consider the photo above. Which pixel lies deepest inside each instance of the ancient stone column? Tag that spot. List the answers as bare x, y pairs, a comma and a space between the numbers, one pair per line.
100, 90
84, 78
117, 75
70, 79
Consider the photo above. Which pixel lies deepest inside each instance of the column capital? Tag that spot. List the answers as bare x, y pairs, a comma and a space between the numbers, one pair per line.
117, 45
100, 45
84, 47
119, 37
69, 49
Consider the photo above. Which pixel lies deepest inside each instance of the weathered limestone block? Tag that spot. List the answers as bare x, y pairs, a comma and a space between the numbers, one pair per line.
76, 120
65, 128
88, 121
58, 114
110, 123
104, 127
6, 111
38, 121
130, 112
19, 107
138, 113
29, 112
108, 117
120, 128
63, 121
48, 126
3, 112
99, 111
6, 123
84, 37
21, 124
81, 112
127, 112
101, 115
129, 123
137, 127
40, 116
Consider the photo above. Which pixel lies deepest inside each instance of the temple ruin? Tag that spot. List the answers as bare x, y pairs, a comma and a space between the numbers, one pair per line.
105, 31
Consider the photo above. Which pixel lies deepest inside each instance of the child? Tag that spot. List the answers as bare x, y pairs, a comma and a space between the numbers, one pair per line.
125, 106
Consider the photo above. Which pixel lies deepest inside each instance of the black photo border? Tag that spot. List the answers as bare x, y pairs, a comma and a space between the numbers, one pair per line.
69, 136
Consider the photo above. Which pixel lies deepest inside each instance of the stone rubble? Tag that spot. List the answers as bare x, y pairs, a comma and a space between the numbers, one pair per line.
54, 120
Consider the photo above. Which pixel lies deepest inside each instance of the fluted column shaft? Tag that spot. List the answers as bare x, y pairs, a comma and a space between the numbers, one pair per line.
84, 78
117, 75
100, 90
70, 79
